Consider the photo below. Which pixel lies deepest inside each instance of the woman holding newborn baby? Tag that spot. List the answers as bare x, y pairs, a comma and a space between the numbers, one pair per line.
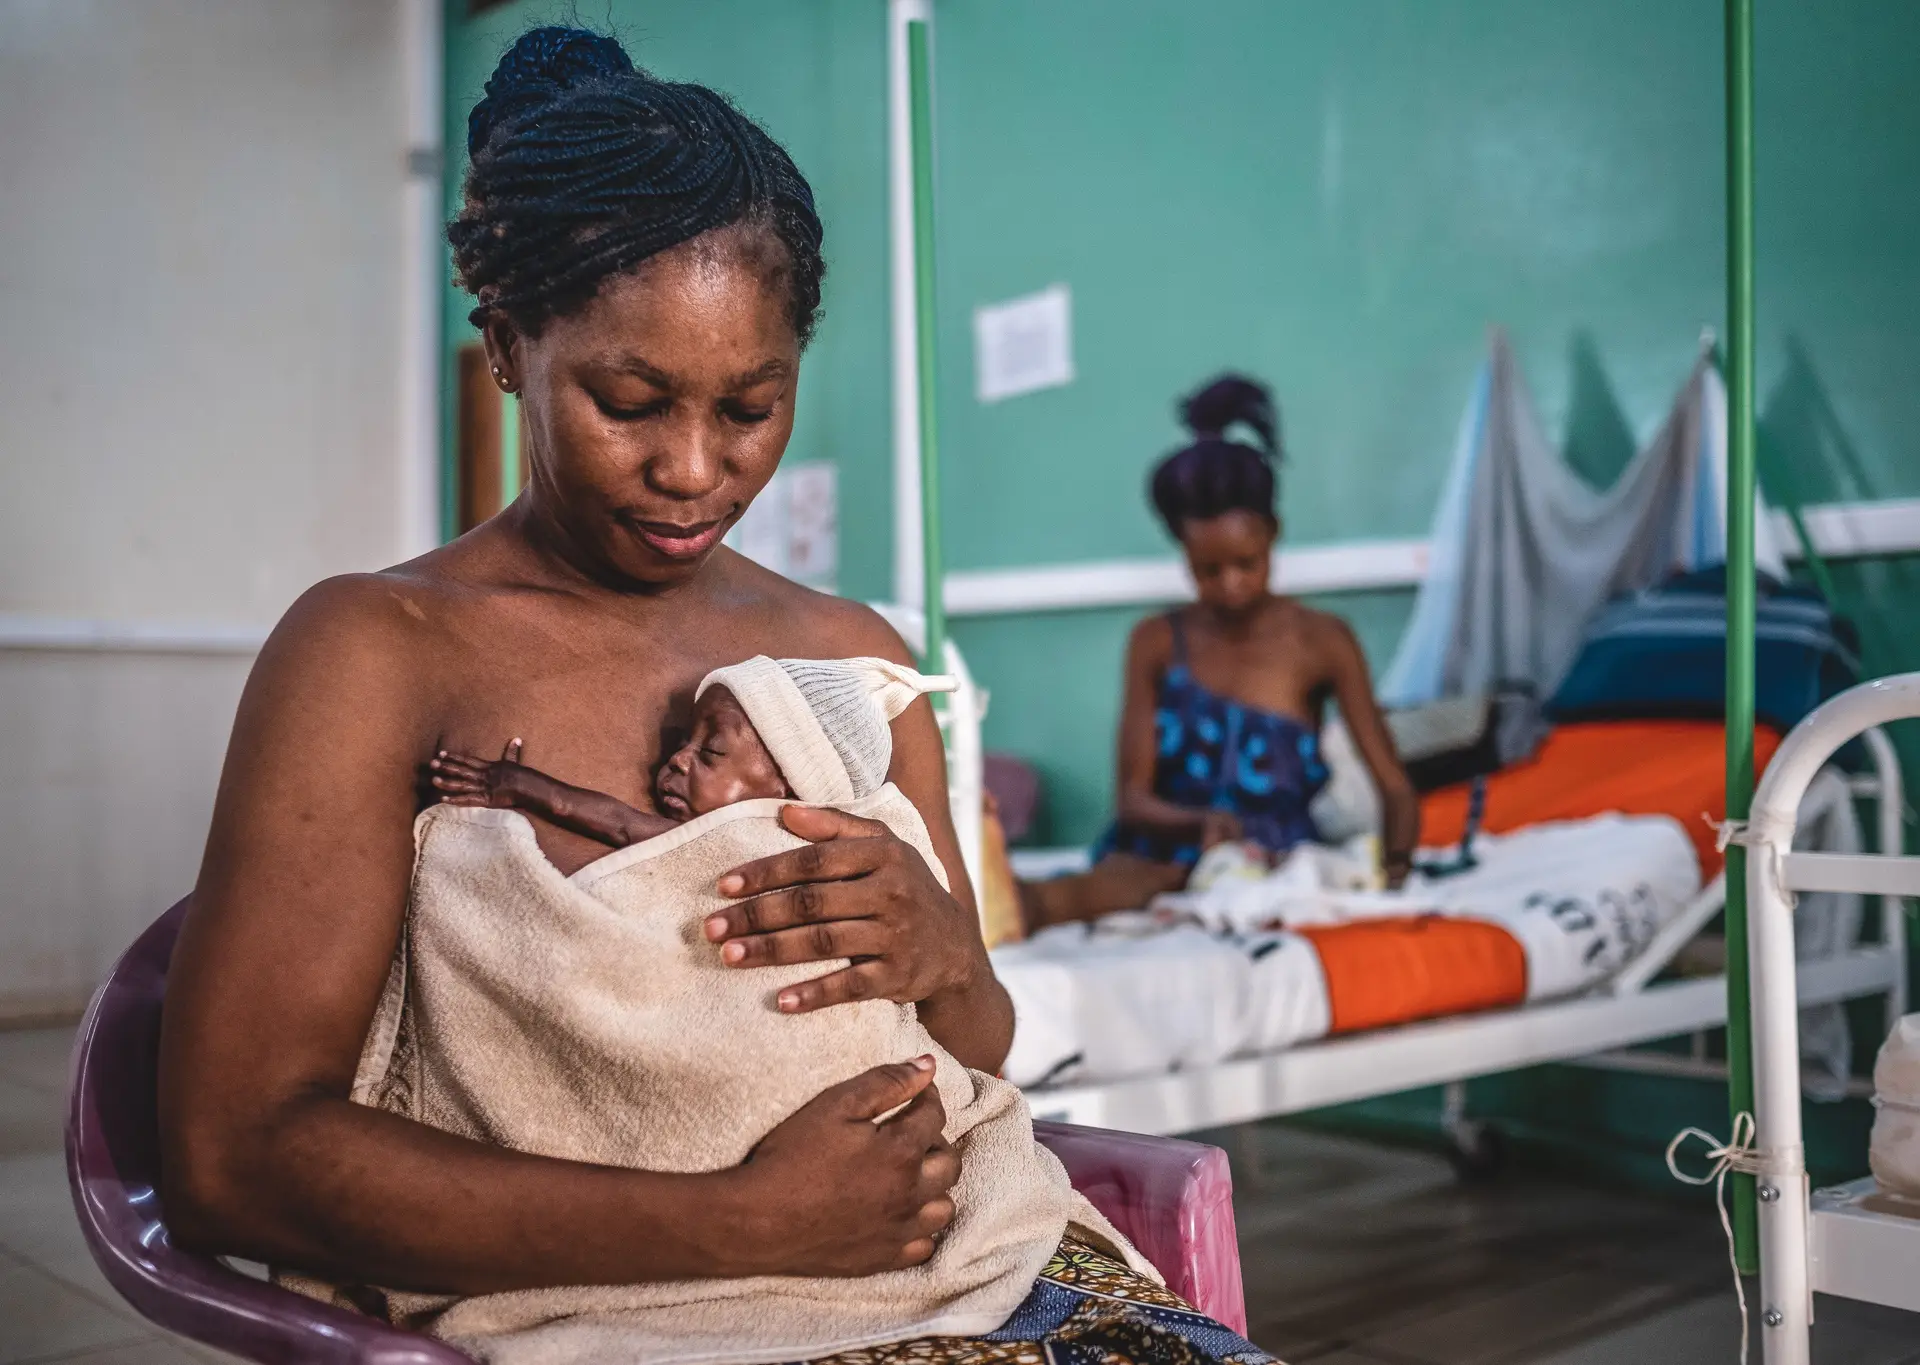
647, 267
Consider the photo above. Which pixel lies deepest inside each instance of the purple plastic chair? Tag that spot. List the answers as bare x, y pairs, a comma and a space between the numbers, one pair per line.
1174, 1199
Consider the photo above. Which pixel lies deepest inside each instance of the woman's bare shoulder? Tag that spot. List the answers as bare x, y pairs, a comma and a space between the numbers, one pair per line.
810, 623
375, 644
391, 611
1318, 627
858, 630
1151, 639
1329, 641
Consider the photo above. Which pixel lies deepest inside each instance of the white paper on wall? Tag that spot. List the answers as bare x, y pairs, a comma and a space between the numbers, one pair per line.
813, 524
1024, 344
793, 527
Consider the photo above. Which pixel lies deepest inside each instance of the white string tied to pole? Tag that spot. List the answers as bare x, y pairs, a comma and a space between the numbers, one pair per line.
1741, 1153
1756, 832
1762, 835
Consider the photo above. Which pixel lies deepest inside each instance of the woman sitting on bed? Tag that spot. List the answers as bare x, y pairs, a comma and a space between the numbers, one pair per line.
1219, 731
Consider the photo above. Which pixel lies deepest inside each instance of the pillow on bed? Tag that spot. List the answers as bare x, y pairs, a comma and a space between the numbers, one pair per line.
1347, 806
1452, 740
1662, 654
1457, 739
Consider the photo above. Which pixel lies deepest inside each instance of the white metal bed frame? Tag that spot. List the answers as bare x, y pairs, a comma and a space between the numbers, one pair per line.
960, 719
1627, 1009
1834, 1241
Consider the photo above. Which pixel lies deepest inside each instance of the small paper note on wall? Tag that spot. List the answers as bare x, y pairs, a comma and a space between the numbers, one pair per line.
793, 527
1024, 344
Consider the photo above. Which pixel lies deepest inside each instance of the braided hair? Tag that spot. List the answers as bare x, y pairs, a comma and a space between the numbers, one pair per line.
1214, 475
583, 166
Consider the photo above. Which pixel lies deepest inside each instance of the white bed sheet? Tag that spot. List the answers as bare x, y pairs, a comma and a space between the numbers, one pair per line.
1129, 996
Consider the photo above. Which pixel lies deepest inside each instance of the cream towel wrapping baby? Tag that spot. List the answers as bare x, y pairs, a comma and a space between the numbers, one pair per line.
587, 1017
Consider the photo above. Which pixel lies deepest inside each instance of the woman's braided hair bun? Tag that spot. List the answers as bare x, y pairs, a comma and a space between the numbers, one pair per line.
1215, 475
583, 166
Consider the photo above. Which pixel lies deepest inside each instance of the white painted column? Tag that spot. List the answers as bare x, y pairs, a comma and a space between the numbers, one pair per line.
417, 462
909, 572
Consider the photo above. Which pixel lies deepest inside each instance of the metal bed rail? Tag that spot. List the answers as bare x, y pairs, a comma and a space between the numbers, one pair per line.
1862, 1253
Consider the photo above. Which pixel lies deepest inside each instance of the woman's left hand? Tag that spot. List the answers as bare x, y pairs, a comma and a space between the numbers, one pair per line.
858, 891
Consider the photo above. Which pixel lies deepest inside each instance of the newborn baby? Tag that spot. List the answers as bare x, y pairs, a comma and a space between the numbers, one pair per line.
757, 731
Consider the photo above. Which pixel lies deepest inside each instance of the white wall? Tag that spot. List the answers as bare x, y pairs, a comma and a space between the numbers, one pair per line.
201, 273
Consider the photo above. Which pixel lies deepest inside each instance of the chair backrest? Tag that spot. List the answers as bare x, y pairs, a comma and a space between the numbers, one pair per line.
113, 1168
1172, 1199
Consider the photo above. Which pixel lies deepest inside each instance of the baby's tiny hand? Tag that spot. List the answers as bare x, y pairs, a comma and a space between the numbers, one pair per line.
463, 780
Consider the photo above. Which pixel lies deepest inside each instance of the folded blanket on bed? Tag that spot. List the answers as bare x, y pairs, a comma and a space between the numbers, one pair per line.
587, 1017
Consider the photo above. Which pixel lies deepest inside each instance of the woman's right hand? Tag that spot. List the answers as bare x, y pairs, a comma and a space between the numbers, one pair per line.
1220, 827
831, 1192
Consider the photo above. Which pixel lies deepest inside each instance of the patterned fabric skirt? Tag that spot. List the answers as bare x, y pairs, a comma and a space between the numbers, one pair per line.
1085, 1309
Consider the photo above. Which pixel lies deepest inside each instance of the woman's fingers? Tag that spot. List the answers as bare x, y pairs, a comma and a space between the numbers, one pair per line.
808, 903
810, 943
940, 1169
861, 981
875, 1091
935, 1215
820, 823
852, 850
920, 1127
931, 1222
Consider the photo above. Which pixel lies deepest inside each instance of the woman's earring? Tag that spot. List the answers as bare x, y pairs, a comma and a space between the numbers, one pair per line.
502, 380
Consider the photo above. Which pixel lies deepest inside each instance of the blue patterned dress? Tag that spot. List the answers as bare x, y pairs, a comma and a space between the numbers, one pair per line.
1215, 754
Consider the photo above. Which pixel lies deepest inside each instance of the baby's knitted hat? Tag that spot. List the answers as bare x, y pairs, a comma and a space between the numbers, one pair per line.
825, 720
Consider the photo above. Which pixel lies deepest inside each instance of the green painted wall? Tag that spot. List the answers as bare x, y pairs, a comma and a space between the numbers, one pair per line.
1340, 198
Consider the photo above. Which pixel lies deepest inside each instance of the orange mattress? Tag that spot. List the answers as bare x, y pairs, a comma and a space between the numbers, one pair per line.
1632, 767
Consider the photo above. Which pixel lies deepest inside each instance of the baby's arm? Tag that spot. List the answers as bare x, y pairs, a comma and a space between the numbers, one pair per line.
508, 784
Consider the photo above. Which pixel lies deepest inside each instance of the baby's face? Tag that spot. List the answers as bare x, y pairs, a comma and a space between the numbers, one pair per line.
723, 761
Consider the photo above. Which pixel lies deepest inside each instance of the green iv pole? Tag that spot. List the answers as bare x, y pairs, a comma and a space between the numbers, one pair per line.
1740, 587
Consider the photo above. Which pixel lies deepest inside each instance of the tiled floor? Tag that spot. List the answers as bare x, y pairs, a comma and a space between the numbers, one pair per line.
54, 1305
1357, 1254
1354, 1254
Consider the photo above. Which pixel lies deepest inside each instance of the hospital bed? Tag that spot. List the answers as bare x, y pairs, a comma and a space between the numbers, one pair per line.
1630, 1008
